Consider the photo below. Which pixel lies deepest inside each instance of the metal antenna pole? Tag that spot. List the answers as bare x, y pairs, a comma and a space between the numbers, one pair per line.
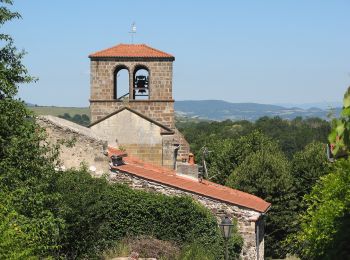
133, 32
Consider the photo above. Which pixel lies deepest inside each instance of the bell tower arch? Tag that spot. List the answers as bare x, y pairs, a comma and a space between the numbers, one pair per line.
150, 82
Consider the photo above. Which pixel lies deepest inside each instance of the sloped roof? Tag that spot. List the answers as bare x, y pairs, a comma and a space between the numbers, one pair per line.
162, 175
165, 129
131, 51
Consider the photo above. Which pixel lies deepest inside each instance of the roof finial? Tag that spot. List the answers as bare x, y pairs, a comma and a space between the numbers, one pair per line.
133, 31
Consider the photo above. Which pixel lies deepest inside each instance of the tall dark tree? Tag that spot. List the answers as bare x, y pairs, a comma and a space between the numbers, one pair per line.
28, 214
266, 174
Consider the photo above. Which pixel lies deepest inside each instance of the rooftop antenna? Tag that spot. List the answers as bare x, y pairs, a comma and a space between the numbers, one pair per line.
133, 31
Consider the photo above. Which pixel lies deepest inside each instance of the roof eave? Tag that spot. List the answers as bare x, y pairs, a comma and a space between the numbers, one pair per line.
129, 58
198, 193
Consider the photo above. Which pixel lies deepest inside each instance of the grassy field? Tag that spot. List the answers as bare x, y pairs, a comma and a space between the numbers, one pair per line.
56, 111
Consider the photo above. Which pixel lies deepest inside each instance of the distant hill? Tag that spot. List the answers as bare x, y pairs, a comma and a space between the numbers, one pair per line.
222, 110
56, 111
211, 110
323, 105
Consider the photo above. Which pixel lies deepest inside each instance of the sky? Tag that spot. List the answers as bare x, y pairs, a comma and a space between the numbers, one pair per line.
291, 51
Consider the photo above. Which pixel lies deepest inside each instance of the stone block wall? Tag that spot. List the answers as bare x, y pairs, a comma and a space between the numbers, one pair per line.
247, 219
184, 146
86, 147
160, 111
159, 106
102, 77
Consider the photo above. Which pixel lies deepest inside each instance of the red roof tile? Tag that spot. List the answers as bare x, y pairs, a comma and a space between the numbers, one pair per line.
205, 188
131, 51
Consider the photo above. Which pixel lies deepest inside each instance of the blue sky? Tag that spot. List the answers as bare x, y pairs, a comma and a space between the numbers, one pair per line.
239, 51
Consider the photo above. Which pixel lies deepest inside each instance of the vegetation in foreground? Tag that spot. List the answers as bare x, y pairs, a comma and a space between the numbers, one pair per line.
46, 213
279, 161
285, 163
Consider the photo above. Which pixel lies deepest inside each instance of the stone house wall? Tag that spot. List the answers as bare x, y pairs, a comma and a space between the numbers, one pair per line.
247, 219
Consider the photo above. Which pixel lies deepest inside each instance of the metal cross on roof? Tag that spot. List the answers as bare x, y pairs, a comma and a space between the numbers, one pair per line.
133, 31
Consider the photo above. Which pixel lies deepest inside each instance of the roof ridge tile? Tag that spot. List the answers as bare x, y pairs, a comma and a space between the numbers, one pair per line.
206, 188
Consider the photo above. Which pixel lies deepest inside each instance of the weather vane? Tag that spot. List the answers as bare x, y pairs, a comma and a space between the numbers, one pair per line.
133, 31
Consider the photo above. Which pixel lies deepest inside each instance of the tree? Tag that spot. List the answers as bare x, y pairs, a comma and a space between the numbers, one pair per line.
266, 174
28, 207
340, 135
308, 166
325, 226
12, 71
226, 154
324, 232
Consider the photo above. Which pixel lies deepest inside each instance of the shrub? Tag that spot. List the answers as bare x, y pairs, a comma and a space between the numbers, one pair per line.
195, 251
100, 214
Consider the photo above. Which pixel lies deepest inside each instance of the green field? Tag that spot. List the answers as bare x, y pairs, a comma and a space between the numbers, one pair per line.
56, 111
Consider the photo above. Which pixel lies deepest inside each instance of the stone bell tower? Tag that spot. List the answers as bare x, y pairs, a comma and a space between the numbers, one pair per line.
151, 94
141, 120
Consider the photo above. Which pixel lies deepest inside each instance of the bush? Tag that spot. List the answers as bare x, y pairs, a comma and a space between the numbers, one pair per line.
146, 247
99, 214
325, 225
195, 251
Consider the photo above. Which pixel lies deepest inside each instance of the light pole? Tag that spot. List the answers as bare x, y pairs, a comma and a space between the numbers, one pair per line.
226, 231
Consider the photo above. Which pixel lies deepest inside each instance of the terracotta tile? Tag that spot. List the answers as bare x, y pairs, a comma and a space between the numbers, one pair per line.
209, 189
131, 50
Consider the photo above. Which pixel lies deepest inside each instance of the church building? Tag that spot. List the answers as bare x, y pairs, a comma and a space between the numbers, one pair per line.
141, 121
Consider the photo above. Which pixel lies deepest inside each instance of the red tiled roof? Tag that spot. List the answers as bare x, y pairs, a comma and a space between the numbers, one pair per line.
209, 189
131, 51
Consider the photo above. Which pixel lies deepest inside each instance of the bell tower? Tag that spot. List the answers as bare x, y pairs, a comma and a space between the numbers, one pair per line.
138, 117
149, 89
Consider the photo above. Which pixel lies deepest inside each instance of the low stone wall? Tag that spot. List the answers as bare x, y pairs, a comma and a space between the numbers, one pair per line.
85, 147
246, 218
184, 146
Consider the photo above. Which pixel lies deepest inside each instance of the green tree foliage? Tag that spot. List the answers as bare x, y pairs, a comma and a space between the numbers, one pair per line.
324, 231
325, 226
225, 155
340, 135
45, 213
28, 207
12, 71
275, 159
15, 241
266, 174
83, 119
308, 166
98, 214
292, 136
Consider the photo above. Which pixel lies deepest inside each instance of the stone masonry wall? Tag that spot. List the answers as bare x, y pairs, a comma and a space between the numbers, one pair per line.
160, 111
102, 78
184, 146
160, 105
85, 146
138, 136
246, 218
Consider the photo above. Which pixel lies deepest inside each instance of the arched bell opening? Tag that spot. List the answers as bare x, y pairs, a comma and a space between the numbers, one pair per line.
141, 90
121, 83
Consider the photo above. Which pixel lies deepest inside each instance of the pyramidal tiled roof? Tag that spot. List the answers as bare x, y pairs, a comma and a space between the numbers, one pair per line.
131, 51
136, 167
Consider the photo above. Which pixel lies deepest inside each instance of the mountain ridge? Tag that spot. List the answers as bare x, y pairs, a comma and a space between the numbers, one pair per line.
222, 110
